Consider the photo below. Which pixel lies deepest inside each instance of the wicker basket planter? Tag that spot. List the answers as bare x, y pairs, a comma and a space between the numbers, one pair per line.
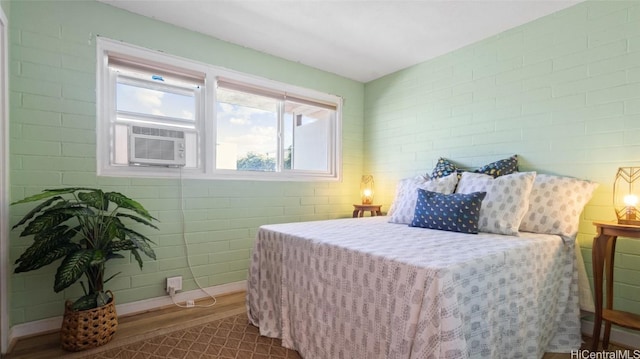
88, 328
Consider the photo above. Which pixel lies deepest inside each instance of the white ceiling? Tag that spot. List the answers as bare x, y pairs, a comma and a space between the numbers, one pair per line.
358, 39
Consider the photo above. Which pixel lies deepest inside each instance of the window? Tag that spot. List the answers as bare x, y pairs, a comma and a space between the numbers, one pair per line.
164, 116
263, 130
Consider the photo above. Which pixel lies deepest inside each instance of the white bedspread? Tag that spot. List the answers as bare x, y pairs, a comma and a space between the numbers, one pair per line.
365, 288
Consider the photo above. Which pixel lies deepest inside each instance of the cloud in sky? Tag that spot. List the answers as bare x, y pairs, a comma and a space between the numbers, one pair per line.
238, 115
260, 139
187, 114
239, 121
249, 128
149, 98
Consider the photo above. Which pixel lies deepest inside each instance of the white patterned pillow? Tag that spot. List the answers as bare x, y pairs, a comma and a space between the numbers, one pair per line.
404, 205
555, 205
507, 199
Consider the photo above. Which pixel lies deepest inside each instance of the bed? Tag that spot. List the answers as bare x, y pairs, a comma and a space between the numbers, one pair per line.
372, 288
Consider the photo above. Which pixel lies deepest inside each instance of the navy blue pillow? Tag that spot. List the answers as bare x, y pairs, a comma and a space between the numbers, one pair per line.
499, 168
445, 167
456, 212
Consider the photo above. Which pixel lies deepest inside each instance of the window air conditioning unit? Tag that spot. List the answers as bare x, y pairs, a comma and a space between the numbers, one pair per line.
150, 146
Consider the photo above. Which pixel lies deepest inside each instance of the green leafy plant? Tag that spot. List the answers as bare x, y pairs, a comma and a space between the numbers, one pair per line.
86, 227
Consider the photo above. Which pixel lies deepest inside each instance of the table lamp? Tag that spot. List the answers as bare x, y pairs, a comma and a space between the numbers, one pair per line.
366, 189
626, 190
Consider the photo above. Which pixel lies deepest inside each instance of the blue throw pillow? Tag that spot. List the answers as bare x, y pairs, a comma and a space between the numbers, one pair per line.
443, 168
456, 212
499, 168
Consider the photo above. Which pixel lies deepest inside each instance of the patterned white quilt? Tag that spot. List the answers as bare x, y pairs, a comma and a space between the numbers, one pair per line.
365, 288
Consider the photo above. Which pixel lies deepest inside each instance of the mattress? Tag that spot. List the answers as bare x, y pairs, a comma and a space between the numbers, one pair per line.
366, 288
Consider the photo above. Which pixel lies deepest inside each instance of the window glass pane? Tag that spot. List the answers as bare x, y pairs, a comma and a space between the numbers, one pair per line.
247, 135
155, 102
307, 136
287, 140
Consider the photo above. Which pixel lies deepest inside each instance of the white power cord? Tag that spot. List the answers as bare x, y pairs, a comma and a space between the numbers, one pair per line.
189, 303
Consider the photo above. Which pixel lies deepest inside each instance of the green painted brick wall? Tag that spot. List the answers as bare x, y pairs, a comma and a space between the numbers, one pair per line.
562, 92
52, 133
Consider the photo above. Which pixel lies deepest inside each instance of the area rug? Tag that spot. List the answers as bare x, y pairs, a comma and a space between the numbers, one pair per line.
231, 337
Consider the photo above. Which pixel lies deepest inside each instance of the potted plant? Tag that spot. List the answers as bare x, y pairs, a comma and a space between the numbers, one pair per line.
86, 227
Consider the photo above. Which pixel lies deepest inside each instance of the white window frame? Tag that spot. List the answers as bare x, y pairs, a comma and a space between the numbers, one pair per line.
105, 103
5, 265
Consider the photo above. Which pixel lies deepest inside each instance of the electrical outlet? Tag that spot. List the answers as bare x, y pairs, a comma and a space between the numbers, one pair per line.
175, 283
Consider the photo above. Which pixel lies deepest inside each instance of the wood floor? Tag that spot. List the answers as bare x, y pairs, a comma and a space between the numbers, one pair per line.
130, 327
47, 346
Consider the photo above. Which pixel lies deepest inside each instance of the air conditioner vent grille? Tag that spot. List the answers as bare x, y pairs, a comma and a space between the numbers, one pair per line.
155, 149
150, 131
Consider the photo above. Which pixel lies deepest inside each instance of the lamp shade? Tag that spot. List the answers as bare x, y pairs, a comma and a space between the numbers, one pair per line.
366, 189
626, 194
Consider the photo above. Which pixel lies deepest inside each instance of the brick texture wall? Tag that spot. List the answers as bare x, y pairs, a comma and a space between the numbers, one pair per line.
52, 133
562, 92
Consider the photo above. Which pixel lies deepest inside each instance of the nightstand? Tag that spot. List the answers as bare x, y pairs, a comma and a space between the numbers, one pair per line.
603, 252
361, 208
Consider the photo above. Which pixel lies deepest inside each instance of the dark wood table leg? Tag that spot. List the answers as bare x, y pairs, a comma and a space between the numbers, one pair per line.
361, 209
598, 252
608, 265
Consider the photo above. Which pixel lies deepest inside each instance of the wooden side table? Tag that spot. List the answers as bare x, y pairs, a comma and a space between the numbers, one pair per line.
603, 252
361, 208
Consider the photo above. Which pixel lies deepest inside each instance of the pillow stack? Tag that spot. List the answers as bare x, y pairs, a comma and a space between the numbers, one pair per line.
494, 198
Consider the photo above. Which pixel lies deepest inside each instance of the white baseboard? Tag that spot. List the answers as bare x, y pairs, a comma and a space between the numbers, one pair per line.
52, 324
618, 336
